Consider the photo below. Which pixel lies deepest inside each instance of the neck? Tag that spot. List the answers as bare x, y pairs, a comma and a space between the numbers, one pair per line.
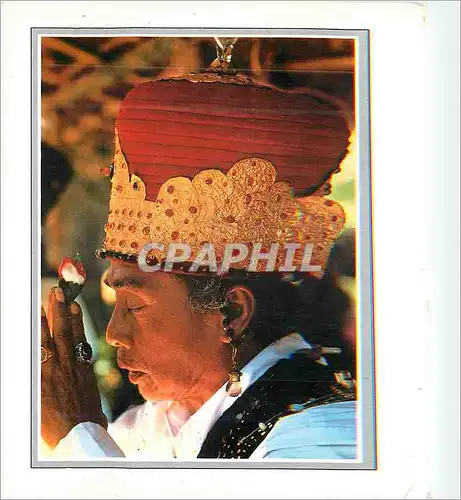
204, 386
200, 392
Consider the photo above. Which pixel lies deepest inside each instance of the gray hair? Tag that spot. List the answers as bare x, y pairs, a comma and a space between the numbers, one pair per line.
206, 295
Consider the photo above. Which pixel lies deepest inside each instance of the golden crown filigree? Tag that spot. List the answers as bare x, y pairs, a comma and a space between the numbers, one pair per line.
245, 205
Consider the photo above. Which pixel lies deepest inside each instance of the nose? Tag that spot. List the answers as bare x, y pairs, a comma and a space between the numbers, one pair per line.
118, 331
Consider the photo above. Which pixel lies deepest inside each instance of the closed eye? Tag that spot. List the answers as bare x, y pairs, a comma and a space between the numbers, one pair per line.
134, 310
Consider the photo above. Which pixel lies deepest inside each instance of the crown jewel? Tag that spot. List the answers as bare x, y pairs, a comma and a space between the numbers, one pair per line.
246, 205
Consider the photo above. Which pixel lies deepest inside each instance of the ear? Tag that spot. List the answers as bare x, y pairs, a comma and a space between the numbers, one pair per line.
242, 300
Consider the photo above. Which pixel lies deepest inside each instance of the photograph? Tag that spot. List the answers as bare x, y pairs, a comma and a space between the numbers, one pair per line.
230, 249
204, 266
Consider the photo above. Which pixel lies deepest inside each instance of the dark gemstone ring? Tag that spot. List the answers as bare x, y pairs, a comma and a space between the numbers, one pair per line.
83, 352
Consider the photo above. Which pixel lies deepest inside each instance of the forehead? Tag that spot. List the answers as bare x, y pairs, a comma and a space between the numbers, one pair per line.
129, 275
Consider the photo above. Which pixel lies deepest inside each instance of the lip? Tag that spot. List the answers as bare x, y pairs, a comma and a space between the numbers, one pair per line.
134, 377
125, 366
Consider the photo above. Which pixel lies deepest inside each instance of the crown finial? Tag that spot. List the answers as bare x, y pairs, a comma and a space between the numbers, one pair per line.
224, 47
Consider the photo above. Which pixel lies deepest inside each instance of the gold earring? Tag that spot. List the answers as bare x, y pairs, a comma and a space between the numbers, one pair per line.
234, 386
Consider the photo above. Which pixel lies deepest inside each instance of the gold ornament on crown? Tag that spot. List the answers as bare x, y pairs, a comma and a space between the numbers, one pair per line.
245, 205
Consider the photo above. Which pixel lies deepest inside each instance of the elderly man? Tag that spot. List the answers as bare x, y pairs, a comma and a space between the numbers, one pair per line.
217, 233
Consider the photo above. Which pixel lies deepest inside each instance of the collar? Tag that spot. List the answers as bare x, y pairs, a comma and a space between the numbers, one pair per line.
193, 430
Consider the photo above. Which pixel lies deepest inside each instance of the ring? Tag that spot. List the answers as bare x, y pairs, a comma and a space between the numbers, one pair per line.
45, 354
83, 352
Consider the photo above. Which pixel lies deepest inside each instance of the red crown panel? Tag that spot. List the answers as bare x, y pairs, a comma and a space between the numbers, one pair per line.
178, 128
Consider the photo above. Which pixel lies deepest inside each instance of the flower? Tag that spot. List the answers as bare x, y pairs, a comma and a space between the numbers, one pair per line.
72, 271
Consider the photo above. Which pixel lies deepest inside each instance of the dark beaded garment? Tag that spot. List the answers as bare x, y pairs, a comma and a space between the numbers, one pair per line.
292, 385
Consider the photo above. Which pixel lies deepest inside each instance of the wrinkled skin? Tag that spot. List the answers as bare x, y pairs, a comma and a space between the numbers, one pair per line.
177, 350
68, 388
171, 352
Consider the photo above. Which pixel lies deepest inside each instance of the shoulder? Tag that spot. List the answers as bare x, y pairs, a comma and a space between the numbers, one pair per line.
322, 432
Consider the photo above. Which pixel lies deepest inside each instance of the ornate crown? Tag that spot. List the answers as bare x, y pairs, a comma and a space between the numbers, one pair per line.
245, 205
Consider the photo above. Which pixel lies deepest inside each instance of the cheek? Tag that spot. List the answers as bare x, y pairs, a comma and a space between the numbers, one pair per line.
163, 320
163, 334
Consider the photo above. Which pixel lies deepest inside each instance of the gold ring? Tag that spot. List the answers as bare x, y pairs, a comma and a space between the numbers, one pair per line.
46, 353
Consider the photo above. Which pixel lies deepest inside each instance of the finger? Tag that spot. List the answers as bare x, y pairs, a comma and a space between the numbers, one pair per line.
78, 332
62, 334
45, 330
76, 322
46, 343
50, 308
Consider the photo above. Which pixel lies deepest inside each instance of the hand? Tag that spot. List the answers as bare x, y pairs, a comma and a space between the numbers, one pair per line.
69, 391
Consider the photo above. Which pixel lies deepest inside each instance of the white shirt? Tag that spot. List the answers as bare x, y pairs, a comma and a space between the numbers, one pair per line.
163, 430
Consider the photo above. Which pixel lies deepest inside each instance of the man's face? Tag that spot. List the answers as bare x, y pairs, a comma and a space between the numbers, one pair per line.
171, 352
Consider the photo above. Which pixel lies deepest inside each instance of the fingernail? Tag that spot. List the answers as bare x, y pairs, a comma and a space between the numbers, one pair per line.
74, 309
59, 294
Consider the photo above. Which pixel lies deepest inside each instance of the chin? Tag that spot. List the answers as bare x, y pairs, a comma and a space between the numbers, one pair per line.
152, 392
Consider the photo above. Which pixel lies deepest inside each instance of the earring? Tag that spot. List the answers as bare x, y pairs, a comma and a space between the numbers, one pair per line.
234, 386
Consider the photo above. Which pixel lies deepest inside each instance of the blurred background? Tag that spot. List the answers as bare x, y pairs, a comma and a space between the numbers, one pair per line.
83, 82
